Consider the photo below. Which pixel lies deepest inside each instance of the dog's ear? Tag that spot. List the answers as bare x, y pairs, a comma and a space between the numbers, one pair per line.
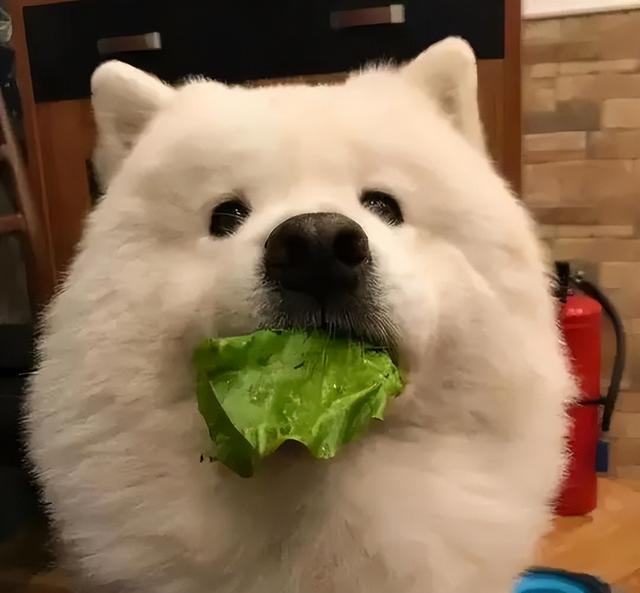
447, 72
124, 100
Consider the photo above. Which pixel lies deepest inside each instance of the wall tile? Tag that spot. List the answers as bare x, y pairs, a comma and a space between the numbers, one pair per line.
617, 274
614, 144
579, 181
626, 425
597, 230
598, 86
621, 113
554, 146
591, 67
538, 52
545, 70
539, 95
626, 299
619, 35
597, 250
574, 115
625, 451
555, 141
542, 31
628, 401
617, 210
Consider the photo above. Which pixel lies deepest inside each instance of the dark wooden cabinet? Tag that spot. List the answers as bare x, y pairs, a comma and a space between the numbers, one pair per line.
59, 43
237, 40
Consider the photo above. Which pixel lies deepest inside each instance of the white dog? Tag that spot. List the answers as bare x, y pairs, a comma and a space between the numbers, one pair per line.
370, 208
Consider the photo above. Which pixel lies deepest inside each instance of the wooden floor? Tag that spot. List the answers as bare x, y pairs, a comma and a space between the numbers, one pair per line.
605, 543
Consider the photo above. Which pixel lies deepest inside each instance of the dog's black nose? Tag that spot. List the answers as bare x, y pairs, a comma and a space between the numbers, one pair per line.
320, 254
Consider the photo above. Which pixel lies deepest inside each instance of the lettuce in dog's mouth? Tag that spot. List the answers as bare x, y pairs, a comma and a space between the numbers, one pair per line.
257, 391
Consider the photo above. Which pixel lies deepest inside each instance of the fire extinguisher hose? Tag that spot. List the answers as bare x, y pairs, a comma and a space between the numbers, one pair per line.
618, 362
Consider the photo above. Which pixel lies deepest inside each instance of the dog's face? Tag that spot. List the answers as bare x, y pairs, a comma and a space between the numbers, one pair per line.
368, 209
345, 208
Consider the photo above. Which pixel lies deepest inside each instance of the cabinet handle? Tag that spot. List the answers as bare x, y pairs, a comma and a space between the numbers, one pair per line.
362, 17
144, 42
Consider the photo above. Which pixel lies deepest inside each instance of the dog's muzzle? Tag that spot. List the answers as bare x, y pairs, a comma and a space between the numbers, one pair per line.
321, 275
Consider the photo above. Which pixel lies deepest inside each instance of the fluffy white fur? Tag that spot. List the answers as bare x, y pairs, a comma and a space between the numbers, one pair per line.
449, 494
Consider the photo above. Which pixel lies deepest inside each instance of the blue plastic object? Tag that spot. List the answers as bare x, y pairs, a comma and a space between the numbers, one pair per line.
549, 580
602, 457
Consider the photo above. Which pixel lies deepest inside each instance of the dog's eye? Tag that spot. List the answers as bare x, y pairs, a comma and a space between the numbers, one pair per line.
227, 217
383, 205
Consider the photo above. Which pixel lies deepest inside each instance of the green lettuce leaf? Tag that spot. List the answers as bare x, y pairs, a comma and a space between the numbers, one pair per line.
257, 391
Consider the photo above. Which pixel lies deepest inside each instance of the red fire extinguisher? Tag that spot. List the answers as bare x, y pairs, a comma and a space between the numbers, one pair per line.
580, 317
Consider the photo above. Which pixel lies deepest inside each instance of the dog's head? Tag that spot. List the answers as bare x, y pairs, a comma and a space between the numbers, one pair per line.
358, 208
369, 208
